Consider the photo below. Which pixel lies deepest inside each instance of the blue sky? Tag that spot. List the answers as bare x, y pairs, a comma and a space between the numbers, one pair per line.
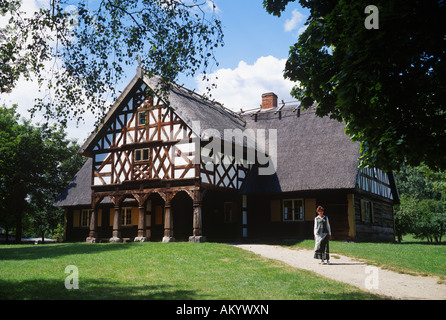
250, 63
255, 51
250, 32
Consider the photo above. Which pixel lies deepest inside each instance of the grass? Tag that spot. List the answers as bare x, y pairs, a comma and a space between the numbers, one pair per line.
411, 256
169, 271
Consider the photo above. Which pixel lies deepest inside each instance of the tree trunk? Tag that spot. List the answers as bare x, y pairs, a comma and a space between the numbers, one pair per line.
18, 227
19, 198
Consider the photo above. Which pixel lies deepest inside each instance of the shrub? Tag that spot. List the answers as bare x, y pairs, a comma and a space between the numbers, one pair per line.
430, 222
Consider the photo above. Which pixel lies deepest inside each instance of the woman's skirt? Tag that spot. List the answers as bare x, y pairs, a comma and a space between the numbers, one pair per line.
321, 248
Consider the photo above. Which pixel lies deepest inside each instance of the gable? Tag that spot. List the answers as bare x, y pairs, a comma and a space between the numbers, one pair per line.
196, 112
141, 139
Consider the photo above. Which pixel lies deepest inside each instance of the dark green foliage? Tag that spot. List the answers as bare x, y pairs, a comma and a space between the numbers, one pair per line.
386, 84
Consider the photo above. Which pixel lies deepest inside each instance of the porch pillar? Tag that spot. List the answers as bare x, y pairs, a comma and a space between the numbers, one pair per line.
93, 235
168, 223
116, 235
197, 235
141, 225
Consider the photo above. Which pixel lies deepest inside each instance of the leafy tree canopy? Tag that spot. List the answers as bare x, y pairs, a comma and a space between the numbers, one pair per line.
78, 49
387, 84
421, 182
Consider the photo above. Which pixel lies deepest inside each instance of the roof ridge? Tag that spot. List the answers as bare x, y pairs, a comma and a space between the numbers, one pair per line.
214, 102
286, 106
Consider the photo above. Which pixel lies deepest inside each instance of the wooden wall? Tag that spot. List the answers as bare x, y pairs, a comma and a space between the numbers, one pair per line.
265, 215
343, 209
380, 227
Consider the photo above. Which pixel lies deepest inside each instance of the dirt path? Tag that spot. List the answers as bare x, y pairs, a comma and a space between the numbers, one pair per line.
369, 278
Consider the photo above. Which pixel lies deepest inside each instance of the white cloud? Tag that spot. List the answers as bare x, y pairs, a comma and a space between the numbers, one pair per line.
243, 86
293, 23
212, 7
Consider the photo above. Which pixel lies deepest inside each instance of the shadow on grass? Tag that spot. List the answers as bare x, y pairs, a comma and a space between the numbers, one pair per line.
29, 252
107, 290
90, 289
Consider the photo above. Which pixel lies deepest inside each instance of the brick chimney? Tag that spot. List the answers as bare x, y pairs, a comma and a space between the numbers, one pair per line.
269, 101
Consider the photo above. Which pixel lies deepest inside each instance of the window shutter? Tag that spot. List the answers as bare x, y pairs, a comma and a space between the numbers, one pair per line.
275, 211
310, 209
372, 212
135, 216
76, 218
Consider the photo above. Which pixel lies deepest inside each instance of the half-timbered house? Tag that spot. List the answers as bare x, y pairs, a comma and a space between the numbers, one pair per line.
192, 170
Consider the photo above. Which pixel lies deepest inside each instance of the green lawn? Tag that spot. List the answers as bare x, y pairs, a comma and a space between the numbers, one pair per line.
411, 256
158, 271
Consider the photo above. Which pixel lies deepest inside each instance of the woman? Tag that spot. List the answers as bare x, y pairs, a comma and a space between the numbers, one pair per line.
322, 233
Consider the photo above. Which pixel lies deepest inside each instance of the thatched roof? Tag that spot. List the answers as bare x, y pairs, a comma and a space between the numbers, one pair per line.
313, 153
78, 191
193, 108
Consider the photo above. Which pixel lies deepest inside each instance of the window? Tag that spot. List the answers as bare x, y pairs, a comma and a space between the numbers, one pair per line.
126, 216
367, 212
142, 155
142, 118
228, 212
293, 210
85, 217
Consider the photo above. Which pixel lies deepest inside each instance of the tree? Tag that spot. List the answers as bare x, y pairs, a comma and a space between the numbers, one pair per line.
8, 141
422, 208
405, 216
36, 163
77, 51
63, 162
388, 84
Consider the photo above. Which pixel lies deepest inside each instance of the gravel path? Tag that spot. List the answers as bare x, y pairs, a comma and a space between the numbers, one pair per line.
369, 278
